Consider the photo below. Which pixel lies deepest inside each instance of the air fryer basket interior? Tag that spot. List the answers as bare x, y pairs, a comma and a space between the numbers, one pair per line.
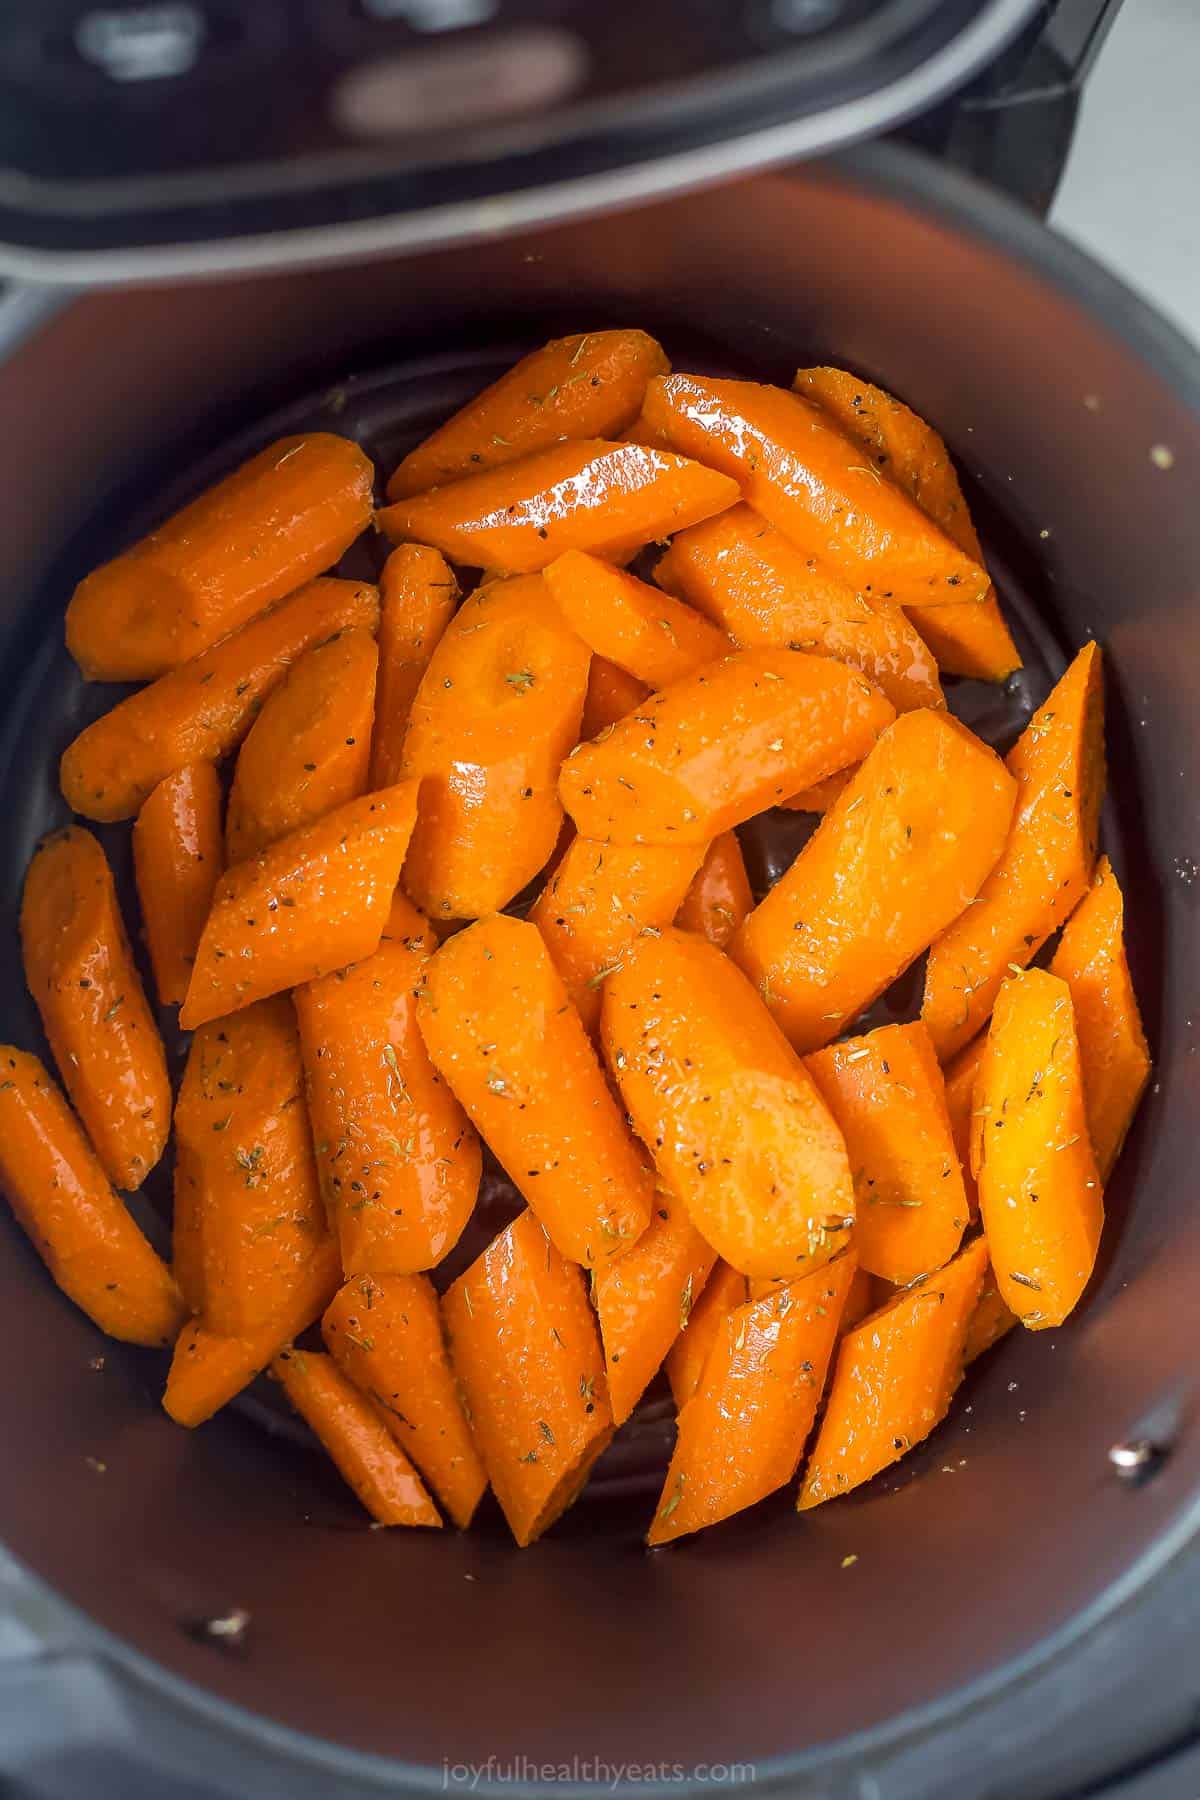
760, 1641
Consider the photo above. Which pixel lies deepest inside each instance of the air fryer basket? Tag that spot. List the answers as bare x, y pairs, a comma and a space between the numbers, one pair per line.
1076, 419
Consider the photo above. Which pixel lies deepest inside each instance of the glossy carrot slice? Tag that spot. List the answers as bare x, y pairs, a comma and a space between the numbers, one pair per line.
79, 1227
583, 386
645, 632
283, 517
1058, 766
719, 898
178, 855
419, 595
821, 795
991, 1320
313, 902
894, 1379
386, 1337
526, 1353
81, 973
644, 1300
611, 693
685, 1360
961, 1075
501, 1031
721, 746
585, 495
900, 854
200, 711
735, 1124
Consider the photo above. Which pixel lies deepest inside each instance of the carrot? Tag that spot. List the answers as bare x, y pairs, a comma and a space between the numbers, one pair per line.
399, 1164
719, 897
736, 1126
309, 749
960, 1077
894, 1379
644, 1299
742, 1434
611, 693
355, 1438
200, 711
642, 432
526, 1353
584, 495
586, 385
1039, 1187
597, 903
821, 795
208, 1370
717, 748
248, 1212
386, 1337
178, 855
500, 1029
862, 1298
991, 1320
497, 710
1058, 766
283, 517
65, 1206
313, 902
99, 1025
886, 1092
968, 639
685, 1360
754, 583
900, 854
1116, 1061
419, 594
810, 481
645, 632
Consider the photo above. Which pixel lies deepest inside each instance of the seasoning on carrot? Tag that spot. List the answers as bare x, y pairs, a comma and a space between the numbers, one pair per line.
685, 1360
178, 855
719, 897
960, 1075
821, 795
991, 1320
419, 596
611, 693
644, 1299
647, 633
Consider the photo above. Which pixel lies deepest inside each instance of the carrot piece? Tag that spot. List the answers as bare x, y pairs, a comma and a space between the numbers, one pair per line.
644, 1299
79, 1227
81, 972
821, 795
313, 902
717, 748
1040, 1191
719, 897
991, 1320
208, 1370
588, 385
611, 693
599, 900
283, 517
200, 711
960, 1076
895, 1376
685, 1360
498, 1024
752, 581
899, 855
526, 1352
419, 594
737, 1127
642, 432
649, 634
1058, 765
584, 495
742, 1434
1116, 1060
968, 638
886, 1092
178, 854
810, 481
399, 1163
355, 1438
309, 748
497, 710
862, 1298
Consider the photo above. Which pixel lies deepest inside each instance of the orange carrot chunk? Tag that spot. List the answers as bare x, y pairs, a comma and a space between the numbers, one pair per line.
719, 897
644, 1299
991, 1320
81, 972
821, 795
419, 595
643, 631
611, 693
960, 1077
685, 1360
178, 855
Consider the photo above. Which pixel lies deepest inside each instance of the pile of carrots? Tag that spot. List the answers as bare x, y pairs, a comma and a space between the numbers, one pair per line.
811, 1232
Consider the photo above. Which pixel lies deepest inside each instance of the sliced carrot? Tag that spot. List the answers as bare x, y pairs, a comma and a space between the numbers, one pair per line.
313, 902
742, 1434
735, 1124
99, 1025
386, 1336
588, 385
79, 1227
721, 746
642, 432
526, 1353
309, 748
611, 693
497, 710
647, 633
585, 495
178, 855
644, 1299
862, 1298
1040, 1191
1058, 765
821, 795
419, 595
719, 897
498, 1024
961, 1075
991, 1320
685, 1360
895, 1376
283, 517
900, 854
200, 711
